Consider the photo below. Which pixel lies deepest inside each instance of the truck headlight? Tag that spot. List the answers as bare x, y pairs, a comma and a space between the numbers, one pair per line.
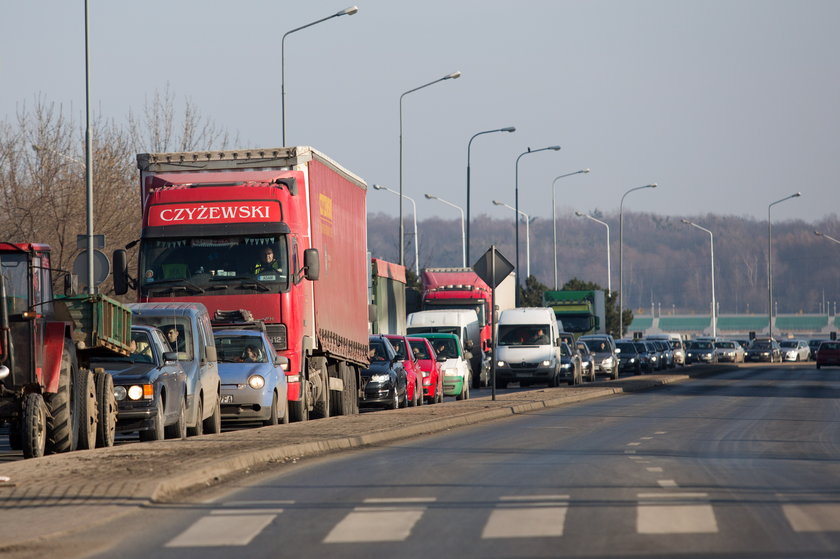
256, 382
546, 363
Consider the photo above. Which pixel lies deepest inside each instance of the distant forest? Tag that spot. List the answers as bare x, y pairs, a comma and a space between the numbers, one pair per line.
666, 262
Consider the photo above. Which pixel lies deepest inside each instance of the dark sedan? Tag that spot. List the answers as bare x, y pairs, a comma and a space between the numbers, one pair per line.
628, 357
384, 381
764, 350
828, 353
701, 352
150, 387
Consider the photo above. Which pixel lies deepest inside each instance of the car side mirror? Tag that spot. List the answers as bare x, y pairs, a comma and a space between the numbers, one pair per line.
441, 359
170, 356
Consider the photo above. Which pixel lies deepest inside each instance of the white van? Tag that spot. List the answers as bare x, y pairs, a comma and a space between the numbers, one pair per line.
461, 322
528, 348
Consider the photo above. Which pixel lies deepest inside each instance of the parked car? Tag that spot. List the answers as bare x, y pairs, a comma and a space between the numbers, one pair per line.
570, 365
828, 353
587, 360
253, 377
729, 351
701, 351
813, 345
795, 350
603, 347
455, 367
763, 349
187, 327
150, 387
384, 381
430, 370
628, 356
413, 374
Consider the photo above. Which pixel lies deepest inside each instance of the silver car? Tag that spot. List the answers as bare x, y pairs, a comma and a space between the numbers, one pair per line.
729, 351
795, 350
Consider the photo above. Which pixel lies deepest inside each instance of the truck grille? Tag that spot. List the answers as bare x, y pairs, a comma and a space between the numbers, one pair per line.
277, 334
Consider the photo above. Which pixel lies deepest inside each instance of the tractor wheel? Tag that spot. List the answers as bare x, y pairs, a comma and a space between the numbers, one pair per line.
63, 412
33, 426
86, 401
106, 427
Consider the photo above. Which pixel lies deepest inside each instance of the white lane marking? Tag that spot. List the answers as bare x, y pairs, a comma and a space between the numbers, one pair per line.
657, 513
654, 469
666, 483
813, 517
660, 432
532, 516
633, 444
634, 457
245, 512
223, 530
392, 523
645, 438
242, 504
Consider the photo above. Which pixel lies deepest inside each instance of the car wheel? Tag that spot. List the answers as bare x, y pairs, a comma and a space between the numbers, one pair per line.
178, 430
395, 403
412, 402
592, 372
421, 396
272, 414
156, 431
198, 430
213, 424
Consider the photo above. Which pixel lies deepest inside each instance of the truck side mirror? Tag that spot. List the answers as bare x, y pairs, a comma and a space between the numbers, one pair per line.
71, 285
311, 264
120, 272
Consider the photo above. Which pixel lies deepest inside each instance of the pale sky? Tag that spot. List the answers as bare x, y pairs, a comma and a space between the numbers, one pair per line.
727, 105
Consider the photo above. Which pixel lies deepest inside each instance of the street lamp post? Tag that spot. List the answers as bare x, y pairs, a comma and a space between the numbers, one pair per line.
554, 217
463, 235
469, 146
770, 263
520, 213
516, 219
714, 303
452, 76
609, 275
414, 207
829, 237
346, 12
621, 257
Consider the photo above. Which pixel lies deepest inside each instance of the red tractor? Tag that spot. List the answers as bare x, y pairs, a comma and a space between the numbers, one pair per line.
49, 397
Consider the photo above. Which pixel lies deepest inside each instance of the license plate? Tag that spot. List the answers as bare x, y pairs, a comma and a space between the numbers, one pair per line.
227, 398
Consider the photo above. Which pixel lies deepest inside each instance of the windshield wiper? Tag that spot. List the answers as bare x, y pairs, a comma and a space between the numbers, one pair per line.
186, 285
256, 284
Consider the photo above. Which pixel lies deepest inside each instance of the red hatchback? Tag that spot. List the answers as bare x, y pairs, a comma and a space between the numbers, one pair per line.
413, 374
430, 368
828, 354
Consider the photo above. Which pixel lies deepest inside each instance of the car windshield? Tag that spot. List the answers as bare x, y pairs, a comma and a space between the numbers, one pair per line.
641, 347
213, 265
702, 345
399, 347
177, 329
240, 349
788, 345
445, 347
377, 351
829, 345
140, 347
761, 345
597, 346
627, 347
524, 334
725, 345
420, 349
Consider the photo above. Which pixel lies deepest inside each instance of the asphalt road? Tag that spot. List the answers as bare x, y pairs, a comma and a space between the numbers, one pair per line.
743, 464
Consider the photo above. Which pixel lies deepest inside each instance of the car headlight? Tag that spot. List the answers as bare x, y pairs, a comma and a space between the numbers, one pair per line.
451, 373
380, 378
136, 392
546, 363
120, 393
256, 382
426, 374
501, 364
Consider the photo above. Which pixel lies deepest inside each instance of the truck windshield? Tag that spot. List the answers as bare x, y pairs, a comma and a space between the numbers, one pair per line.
14, 269
524, 334
458, 304
576, 322
214, 265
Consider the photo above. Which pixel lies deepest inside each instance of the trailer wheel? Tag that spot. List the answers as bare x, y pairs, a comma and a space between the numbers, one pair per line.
33, 426
86, 400
63, 411
106, 427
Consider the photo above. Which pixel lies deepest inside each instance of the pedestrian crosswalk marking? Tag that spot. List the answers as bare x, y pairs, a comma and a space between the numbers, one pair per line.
393, 523
813, 517
527, 516
675, 513
222, 530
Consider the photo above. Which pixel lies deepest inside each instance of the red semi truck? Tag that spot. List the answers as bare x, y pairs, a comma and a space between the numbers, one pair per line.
280, 232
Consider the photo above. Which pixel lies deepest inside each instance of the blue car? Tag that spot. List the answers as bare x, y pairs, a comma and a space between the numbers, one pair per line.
253, 378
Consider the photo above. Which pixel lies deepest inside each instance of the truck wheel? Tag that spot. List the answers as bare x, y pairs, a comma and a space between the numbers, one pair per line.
86, 400
106, 427
63, 412
213, 424
272, 415
322, 401
177, 430
198, 430
298, 410
33, 426
157, 432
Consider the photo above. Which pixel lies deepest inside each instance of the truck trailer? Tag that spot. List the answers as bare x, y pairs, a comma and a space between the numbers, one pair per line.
280, 232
